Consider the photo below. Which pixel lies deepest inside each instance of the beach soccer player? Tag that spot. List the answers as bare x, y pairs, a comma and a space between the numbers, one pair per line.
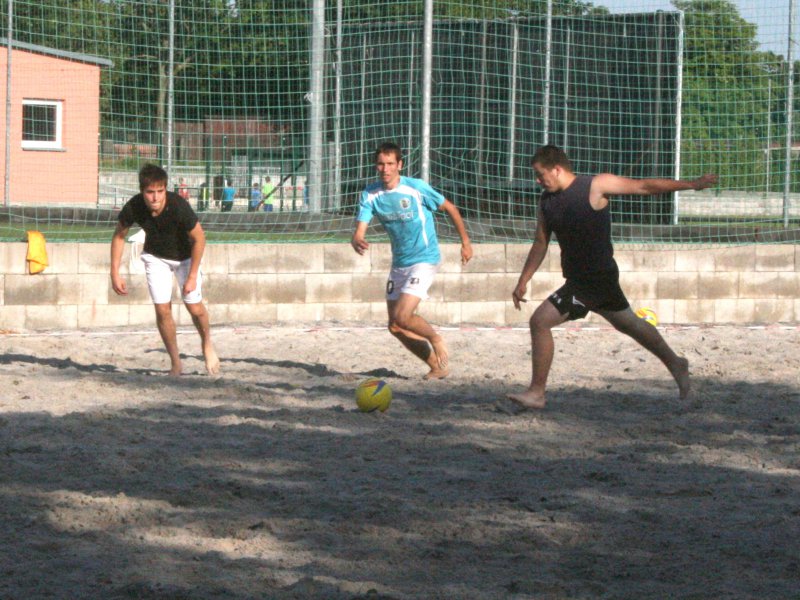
405, 206
173, 247
576, 208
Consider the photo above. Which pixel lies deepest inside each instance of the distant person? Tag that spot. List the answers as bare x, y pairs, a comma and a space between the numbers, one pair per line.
228, 195
405, 207
174, 245
267, 194
576, 208
183, 189
203, 200
255, 198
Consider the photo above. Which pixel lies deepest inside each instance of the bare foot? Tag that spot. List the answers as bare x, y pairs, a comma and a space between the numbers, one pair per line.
436, 373
528, 399
176, 370
507, 407
681, 374
440, 350
212, 360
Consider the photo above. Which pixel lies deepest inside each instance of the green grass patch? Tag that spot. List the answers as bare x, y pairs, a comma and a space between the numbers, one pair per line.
55, 232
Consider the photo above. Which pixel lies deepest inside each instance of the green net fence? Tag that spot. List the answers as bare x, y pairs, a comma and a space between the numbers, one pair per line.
285, 101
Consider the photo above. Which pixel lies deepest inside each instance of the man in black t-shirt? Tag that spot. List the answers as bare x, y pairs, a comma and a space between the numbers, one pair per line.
576, 209
174, 245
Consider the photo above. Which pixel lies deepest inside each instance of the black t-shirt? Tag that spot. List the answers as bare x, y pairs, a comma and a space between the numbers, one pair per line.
167, 235
583, 233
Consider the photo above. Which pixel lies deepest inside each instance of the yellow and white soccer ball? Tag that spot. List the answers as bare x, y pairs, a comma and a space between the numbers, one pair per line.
373, 394
649, 315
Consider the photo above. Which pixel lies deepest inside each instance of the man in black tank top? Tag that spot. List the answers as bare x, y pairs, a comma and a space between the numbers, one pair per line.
576, 209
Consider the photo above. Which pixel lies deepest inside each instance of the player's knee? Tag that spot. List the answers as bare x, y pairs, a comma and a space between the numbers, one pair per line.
628, 327
622, 328
163, 311
196, 309
399, 323
537, 323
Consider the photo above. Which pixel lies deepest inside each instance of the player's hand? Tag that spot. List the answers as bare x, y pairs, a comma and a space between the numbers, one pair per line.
119, 286
518, 296
190, 285
705, 181
360, 245
466, 253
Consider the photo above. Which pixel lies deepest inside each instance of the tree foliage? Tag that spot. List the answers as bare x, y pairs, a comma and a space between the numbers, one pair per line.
731, 92
250, 58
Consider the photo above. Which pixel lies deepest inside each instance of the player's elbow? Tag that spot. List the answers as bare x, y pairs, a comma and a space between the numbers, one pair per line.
197, 236
646, 190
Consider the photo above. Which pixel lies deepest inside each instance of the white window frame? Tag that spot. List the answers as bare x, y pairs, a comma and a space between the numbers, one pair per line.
42, 144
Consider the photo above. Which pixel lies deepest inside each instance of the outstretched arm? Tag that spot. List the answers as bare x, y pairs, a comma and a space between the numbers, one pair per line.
608, 184
535, 257
458, 223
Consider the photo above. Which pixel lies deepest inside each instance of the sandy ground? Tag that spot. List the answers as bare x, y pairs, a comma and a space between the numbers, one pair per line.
118, 482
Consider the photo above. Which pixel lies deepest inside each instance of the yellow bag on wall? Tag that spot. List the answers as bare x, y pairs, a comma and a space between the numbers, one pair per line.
37, 253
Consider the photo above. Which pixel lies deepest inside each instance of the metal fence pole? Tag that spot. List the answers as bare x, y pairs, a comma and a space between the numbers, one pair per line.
362, 145
768, 152
512, 116
410, 124
316, 98
337, 121
479, 144
547, 73
567, 59
9, 38
678, 118
427, 78
787, 182
171, 85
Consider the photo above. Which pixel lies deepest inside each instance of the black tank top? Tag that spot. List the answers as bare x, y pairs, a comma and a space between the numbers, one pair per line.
583, 234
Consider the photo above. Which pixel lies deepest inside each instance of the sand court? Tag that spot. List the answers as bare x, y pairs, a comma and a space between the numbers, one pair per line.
119, 482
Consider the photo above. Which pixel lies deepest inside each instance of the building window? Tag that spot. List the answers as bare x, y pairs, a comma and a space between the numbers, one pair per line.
41, 124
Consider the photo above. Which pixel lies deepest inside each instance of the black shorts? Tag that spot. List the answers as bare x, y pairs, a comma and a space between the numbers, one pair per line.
596, 292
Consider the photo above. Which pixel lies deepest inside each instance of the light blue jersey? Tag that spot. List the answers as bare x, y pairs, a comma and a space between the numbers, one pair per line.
406, 213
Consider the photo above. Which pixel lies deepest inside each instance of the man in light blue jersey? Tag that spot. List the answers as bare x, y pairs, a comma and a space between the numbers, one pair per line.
405, 207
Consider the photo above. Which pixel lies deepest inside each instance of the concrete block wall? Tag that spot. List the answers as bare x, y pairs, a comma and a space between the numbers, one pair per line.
304, 283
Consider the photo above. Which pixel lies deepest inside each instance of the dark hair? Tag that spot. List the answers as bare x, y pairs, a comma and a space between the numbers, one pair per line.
389, 148
150, 174
551, 156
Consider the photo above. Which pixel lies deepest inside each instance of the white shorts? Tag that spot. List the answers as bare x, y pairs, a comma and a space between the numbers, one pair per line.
159, 279
415, 280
